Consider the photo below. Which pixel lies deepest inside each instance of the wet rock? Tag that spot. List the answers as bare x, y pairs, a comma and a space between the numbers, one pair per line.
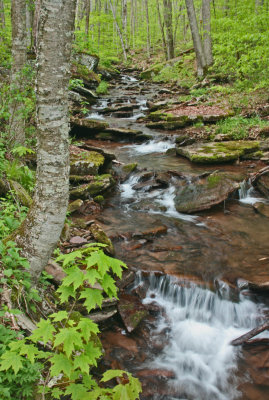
184, 140
153, 232
218, 152
124, 171
89, 94
119, 340
131, 311
99, 185
78, 241
87, 127
262, 209
117, 134
107, 155
127, 278
206, 192
102, 316
85, 162
258, 287
261, 181
160, 373
101, 237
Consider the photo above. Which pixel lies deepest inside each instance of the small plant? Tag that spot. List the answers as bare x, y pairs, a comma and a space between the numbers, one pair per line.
102, 88
70, 340
238, 127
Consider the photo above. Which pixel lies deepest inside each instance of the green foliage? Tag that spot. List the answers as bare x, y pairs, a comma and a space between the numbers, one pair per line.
17, 386
74, 83
238, 127
102, 88
71, 342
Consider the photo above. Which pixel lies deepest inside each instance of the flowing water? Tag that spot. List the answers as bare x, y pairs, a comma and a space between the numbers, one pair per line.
227, 244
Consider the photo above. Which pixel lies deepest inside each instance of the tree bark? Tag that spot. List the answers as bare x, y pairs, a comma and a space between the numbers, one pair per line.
29, 23
161, 28
124, 22
168, 22
87, 20
19, 58
206, 17
148, 28
197, 42
118, 30
36, 23
40, 231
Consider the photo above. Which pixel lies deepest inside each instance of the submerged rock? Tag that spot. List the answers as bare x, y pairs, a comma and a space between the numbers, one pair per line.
218, 152
206, 192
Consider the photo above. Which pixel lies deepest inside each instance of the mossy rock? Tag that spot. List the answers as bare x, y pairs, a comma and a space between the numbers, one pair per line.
218, 152
86, 163
99, 199
167, 125
149, 73
98, 186
101, 237
87, 127
206, 192
75, 205
21, 194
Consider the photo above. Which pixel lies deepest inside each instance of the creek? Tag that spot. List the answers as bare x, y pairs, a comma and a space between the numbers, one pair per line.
192, 276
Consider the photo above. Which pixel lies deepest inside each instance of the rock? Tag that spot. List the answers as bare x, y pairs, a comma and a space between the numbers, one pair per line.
262, 209
261, 181
102, 316
78, 240
75, 205
22, 195
108, 156
88, 60
151, 72
184, 140
126, 134
131, 311
153, 232
253, 286
97, 186
25, 323
264, 131
206, 192
89, 94
56, 271
75, 97
86, 127
127, 278
117, 339
101, 237
85, 162
160, 373
218, 152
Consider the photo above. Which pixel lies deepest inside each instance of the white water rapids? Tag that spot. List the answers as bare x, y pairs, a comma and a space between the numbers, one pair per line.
200, 326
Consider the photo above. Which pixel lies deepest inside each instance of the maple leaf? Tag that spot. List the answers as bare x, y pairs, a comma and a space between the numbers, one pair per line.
43, 332
87, 327
93, 297
92, 275
60, 363
82, 362
59, 316
109, 286
93, 352
74, 277
65, 293
78, 391
69, 258
70, 338
12, 360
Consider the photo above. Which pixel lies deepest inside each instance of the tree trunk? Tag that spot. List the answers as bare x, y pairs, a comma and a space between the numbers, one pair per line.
19, 58
29, 24
124, 22
118, 30
36, 23
2, 18
197, 42
87, 20
40, 231
161, 28
148, 29
168, 22
206, 17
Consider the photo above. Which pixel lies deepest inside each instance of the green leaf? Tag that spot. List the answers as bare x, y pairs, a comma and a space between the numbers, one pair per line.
11, 360
70, 338
74, 277
111, 374
87, 327
116, 266
82, 362
109, 286
59, 316
93, 298
60, 363
121, 393
31, 351
78, 391
66, 292
43, 332
57, 393
69, 258
92, 275
93, 352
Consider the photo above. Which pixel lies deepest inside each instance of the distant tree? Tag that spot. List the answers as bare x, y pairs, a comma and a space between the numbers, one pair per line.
168, 22
40, 231
207, 42
2, 17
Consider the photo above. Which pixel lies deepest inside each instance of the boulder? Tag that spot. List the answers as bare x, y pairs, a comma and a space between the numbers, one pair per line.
86, 162
261, 181
117, 134
87, 127
206, 192
101, 237
218, 152
87, 60
131, 311
97, 186
75, 205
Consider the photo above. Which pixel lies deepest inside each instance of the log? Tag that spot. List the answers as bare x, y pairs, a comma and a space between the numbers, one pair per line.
254, 332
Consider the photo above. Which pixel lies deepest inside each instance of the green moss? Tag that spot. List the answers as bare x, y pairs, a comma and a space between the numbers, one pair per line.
102, 88
213, 180
99, 199
86, 163
129, 167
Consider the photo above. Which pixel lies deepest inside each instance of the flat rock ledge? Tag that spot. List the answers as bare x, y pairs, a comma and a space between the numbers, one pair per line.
217, 152
206, 192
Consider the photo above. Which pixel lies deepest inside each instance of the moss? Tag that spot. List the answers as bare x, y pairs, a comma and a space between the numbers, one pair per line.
98, 186
99, 199
86, 163
75, 205
83, 72
129, 167
21, 194
213, 180
104, 136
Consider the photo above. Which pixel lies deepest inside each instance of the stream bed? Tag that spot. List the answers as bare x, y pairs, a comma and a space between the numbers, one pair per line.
191, 276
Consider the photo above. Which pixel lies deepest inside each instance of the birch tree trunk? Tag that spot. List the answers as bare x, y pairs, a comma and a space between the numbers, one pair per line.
29, 23
168, 22
207, 41
148, 29
19, 58
118, 30
124, 22
87, 20
40, 231
36, 23
161, 28
197, 42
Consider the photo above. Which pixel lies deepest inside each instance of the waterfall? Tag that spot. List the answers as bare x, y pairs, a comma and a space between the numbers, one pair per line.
200, 325
248, 195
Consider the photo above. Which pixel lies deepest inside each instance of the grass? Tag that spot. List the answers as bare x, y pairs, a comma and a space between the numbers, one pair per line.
238, 127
